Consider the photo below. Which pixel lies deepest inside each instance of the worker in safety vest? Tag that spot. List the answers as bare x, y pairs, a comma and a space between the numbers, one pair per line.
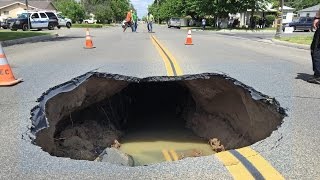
128, 21
134, 21
150, 20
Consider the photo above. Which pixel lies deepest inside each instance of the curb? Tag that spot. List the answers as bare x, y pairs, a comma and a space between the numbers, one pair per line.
293, 45
246, 31
29, 40
231, 31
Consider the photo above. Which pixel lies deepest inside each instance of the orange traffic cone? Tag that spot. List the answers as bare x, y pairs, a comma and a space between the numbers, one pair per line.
189, 39
6, 76
89, 44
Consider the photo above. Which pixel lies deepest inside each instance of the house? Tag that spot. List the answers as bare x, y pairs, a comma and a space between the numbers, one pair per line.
11, 8
288, 14
309, 12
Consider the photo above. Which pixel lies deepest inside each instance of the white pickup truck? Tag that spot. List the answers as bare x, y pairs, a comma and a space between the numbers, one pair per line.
90, 21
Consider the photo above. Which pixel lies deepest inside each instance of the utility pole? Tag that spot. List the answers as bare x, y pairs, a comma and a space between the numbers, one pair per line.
279, 20
27, 4
158, 11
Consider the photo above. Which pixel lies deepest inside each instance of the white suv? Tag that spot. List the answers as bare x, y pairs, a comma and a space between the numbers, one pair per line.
63, 21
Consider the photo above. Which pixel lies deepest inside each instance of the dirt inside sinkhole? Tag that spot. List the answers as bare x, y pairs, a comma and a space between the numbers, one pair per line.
85, 121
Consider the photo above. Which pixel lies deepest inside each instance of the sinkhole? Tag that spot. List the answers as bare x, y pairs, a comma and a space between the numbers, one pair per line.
142, 119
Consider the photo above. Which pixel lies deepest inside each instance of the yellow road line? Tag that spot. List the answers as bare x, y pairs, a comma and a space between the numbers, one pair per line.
264, 167
166, 155
245, 163
234, 166
164, 57
172, 66
174, 155
173, 59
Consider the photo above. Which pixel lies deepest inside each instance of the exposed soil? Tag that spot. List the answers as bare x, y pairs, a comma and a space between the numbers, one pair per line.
84, 140
86, 120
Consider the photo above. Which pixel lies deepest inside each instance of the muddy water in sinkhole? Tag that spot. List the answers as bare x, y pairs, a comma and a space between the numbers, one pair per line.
147, 146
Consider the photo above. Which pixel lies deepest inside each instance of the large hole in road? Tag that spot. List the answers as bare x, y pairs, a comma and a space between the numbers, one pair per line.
81, 118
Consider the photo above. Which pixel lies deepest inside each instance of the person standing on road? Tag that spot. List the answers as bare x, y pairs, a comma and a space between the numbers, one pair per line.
203, 24
315, 50
128, 21
135, 21
150, 20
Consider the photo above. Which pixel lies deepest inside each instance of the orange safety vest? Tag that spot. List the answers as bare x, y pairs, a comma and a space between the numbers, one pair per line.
129, 17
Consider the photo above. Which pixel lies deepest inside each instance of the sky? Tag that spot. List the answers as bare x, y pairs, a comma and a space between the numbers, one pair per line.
141, 6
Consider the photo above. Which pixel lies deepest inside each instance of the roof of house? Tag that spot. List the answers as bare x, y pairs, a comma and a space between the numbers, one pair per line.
6, 3
270, 9
287, 8
311, 9
36, 4
41, 4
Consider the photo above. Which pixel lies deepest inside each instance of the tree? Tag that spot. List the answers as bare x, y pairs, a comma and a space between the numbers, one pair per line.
301, 4
198, 9
70, 8
104, 13
120, 8
90, 5
108, 9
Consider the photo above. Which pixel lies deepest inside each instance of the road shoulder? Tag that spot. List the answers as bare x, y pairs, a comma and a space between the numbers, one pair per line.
29, 40
288, 44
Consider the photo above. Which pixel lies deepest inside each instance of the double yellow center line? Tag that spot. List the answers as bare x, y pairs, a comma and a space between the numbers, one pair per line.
171, 64
244, 163
170, 155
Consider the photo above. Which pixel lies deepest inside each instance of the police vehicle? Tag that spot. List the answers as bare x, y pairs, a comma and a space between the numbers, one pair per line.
37, 20
63, 21
6, 23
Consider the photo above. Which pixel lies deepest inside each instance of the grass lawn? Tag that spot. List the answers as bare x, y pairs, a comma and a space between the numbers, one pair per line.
298, 39
270, 28
91, 25
10, 35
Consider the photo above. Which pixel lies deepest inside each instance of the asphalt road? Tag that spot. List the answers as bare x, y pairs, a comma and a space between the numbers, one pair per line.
274, 70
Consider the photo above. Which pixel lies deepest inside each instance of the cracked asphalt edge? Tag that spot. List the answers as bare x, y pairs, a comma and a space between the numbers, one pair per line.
29, 40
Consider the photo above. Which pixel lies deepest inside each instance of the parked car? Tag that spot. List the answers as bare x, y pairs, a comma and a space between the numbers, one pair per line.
63, 21
90, 21
37, 20
6, 23
174, 22
303, 23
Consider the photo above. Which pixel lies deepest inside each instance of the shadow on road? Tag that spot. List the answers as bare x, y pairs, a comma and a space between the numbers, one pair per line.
304, 76
63, 38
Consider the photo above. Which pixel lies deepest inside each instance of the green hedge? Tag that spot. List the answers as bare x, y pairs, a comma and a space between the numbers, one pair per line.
270, 19
87, 25
256, 18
